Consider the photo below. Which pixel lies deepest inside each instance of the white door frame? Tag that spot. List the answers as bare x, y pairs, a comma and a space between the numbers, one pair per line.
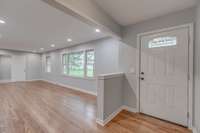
190, 66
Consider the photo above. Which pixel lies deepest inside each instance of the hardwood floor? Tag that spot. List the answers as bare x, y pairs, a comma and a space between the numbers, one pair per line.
40, 107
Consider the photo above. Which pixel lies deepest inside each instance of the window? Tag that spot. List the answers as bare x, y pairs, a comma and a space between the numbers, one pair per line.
48, 64
79, 64
163, 42
65, 61
90, 63
76, 64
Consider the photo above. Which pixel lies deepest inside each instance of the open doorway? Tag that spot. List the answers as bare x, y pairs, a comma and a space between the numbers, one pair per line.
5, 68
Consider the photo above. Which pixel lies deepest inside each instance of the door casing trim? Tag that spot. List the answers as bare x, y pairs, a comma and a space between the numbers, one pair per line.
190, 27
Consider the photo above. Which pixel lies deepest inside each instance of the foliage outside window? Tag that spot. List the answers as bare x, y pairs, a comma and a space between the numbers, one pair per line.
90, 63
48, 64
76, 64
79, 64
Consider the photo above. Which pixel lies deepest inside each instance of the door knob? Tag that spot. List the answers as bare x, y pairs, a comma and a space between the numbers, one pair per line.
142, 78
142, 73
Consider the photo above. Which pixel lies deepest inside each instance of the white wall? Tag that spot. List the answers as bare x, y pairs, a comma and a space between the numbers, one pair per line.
197, 71
32, 64
106, 61
110, 96
128, 56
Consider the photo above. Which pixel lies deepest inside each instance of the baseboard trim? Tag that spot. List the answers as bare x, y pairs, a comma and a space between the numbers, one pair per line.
100, 122
114, 114
71, 87
130, 109
32, 80
5, 81
63, 85
110, 117
12, 81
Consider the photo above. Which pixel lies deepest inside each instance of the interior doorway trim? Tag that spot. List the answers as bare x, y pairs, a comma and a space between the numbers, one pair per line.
190, 26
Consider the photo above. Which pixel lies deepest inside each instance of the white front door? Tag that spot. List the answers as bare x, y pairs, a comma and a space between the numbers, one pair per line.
18, 68
164, 75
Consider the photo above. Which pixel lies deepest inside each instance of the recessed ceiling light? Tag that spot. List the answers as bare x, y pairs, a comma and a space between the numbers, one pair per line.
2, 22
53, 45
69, 40
97, 30
42, 49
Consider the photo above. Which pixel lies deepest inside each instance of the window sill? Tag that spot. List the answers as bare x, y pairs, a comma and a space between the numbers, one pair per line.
82, 78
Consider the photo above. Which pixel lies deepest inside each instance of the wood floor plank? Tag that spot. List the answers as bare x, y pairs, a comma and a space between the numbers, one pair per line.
41, 107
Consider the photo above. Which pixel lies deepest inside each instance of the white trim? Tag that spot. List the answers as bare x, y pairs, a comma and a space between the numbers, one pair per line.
100, 122
114, 114
32, 80
74, 77
84, 51
110, 117
191, 72
190, 63
46, 63
130, 109
110, 76
100, 100
63, 85
94, 66
5, 81
71, 87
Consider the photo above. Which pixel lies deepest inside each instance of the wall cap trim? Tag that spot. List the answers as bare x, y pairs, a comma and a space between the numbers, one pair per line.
110, 76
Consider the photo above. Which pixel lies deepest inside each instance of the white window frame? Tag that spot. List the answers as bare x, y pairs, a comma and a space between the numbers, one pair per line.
74, 52
85, 63
94, 72
65, 64
46, 64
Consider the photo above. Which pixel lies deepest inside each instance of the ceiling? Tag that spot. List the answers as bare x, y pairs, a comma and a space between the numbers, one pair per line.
33, 24
127, 12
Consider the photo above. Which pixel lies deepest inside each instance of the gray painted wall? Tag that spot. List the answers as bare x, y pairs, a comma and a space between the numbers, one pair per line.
112, 95
127, 53
33, 66
197, 71
33, 63
106, 56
